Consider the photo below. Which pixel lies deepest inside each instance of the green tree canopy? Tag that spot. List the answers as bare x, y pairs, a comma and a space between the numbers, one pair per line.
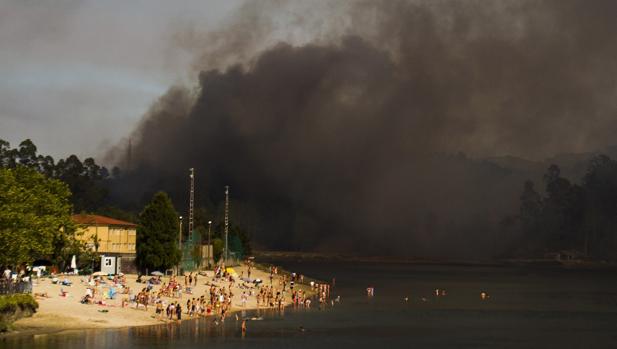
87, 181
157, 235
35, 213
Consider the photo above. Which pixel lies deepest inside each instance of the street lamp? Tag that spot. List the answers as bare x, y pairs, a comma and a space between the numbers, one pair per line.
210, 247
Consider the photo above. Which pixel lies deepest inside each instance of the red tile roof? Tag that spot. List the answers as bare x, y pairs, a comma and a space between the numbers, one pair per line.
101, 220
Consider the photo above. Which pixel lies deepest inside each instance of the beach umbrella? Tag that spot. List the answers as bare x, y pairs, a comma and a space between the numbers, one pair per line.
99, 273
74, 262
157, 273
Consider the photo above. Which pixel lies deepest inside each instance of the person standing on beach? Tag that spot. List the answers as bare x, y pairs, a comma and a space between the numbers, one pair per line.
171, 309
179, 312
243, 328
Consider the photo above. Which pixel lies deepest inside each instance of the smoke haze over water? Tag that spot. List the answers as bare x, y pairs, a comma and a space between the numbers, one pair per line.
338, 126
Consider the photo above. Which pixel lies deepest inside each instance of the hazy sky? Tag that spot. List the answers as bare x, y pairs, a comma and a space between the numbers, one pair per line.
76, 76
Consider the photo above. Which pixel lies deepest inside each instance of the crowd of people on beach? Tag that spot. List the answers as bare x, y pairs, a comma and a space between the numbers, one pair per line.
173, 299
15, 281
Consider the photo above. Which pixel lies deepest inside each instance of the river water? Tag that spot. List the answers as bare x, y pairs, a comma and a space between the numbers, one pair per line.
526, 308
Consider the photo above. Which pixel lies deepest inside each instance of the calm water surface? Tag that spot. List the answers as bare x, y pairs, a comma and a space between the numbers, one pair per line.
527, 308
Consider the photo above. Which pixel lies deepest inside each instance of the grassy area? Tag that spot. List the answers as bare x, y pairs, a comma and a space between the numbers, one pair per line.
13, 307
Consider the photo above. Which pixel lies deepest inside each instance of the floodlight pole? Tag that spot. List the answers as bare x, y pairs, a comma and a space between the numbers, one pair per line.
180, 242
226, 223
209, 242
191, 202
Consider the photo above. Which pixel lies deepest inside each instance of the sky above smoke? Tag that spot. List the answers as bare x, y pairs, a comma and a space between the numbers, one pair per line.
85, 72
76, 76
336, 122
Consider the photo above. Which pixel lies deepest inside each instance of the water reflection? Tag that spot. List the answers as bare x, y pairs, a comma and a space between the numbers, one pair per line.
525, 309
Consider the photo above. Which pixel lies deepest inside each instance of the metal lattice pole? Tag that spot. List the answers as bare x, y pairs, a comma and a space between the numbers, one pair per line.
180, 242
226, 223
210, 248
191, 203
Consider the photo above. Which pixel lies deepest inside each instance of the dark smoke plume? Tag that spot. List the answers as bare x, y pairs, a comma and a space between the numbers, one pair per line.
355, 142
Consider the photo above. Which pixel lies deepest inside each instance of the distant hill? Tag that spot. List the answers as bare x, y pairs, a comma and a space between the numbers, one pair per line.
573, 166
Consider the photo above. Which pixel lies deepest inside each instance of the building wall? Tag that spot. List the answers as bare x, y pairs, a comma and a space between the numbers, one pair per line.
112, 239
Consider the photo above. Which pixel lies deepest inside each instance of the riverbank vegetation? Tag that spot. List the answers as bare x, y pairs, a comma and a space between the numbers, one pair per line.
578, 219
14, 307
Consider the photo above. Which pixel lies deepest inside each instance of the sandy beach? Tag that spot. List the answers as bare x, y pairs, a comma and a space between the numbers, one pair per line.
58, 313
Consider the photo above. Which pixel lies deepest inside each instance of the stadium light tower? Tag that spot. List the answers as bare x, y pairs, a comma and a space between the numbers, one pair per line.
209, 242
226, 223
191, 202
180, 241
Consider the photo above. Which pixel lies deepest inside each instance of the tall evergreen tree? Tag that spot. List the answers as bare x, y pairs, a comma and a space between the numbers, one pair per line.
157, 235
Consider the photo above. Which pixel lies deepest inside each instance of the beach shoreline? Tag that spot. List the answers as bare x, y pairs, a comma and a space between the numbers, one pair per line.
58, 314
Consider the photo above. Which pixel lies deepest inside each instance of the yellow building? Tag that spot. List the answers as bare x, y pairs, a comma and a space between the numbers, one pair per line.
115, 237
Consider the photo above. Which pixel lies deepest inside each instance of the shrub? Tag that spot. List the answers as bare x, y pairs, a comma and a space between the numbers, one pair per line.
9, 306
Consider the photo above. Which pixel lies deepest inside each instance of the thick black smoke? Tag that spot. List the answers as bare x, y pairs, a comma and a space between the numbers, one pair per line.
346, 143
